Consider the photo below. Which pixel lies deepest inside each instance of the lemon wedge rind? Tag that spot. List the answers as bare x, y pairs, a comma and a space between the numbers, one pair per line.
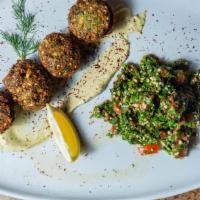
58, 134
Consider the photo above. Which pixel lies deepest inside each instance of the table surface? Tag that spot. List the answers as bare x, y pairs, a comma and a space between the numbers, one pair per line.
193, 195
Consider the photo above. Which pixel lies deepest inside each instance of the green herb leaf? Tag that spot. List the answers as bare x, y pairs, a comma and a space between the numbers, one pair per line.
22, 42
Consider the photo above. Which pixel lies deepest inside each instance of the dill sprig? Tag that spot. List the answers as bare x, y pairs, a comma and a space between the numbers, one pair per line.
22, 42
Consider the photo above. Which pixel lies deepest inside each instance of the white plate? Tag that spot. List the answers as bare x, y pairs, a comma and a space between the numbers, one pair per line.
109, 168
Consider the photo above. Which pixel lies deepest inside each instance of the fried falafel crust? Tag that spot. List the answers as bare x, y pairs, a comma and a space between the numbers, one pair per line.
29, 84
90, 20
6, 112
59, 55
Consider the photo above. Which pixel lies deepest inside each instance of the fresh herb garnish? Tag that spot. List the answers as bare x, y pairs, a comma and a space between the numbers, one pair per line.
22, 42
155, 105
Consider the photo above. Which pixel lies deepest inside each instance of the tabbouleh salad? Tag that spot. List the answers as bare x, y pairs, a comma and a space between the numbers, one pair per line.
155, 105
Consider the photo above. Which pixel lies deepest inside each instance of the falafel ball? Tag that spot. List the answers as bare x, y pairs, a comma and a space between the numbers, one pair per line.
90, 20
29, 84
59, 55
6, 112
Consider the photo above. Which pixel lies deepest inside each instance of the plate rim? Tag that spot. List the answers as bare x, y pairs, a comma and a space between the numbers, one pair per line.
23, 194
168, 193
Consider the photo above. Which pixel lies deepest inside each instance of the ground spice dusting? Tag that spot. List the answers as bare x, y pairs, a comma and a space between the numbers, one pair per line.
97, 76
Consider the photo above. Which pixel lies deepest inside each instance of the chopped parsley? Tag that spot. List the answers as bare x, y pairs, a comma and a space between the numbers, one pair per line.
155, 105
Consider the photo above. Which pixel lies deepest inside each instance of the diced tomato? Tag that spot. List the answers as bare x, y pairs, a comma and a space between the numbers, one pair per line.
114, 128
149, 149
117, 109
172, 101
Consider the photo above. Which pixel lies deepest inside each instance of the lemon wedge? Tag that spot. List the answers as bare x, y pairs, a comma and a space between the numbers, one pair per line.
64, 132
